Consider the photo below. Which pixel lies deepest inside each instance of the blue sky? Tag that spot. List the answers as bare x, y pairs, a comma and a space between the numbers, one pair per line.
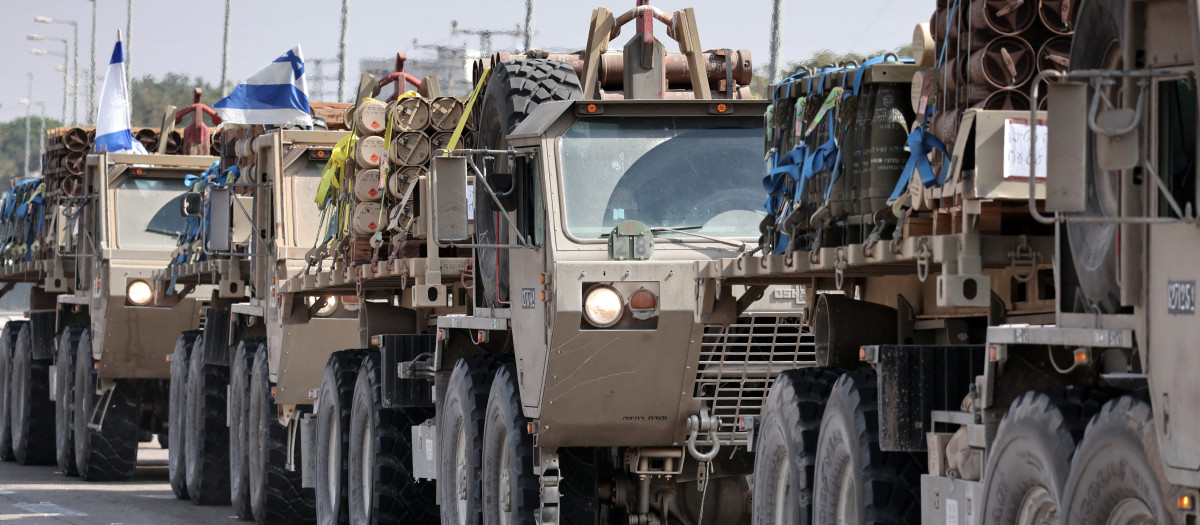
185, 36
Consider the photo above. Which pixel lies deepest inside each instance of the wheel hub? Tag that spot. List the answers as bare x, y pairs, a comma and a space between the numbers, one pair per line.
367, 465
331, 462
1131, 511
783, 481
460, 461
847, 507
506, 488
1037, 508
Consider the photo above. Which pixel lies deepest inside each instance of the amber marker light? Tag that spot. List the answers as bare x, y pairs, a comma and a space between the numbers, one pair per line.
643, 300
862, 353
722, 108
1081, 356
1185, 503
592, 108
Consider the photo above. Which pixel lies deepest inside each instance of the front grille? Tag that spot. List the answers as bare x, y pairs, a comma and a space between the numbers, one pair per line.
739, 363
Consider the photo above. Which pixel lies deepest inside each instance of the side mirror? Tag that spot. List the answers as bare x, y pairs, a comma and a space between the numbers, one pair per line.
504, 185
1067, 137
192, 204
449, 184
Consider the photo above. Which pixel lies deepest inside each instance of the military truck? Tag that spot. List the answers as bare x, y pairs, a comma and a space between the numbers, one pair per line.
252, 227
1029, 364
532, 351
83, 378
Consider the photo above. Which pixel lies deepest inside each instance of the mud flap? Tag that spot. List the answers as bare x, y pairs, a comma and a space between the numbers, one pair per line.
917, 380
402, 355
216, 337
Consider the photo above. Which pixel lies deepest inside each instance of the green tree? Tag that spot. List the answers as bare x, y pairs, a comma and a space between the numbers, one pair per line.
151, 96
826, 57
12, 147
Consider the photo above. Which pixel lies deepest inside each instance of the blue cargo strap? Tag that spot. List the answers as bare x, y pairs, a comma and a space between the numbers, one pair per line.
920, 145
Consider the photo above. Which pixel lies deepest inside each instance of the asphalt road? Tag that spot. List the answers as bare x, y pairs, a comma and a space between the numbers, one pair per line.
36, 495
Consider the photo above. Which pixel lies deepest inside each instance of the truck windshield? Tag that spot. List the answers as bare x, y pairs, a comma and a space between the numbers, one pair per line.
304, 186
701, 174
147, 212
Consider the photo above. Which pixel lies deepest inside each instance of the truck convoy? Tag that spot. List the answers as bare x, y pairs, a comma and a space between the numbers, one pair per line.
563, 299
81, 381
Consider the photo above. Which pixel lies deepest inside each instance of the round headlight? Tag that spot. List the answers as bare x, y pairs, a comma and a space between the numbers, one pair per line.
330, 307
603, 307
139, 293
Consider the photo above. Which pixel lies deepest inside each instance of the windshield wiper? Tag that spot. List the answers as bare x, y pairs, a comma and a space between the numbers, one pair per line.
163, 232
605, 235
741, 246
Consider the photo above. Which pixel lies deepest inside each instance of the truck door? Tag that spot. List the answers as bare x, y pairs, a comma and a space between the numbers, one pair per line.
1173, 328
529, 280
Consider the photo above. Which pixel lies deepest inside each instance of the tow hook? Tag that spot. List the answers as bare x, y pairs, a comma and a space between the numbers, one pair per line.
703, 422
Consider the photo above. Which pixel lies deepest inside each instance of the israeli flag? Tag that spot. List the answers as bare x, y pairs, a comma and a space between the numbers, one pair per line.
277, 94
113, 132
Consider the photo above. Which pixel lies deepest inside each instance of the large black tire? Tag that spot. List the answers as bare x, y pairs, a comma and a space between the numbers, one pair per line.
239, 401
1031, 456
886, 485
31, 408
110, 453
515, 89
8, 341
460, 472
579, 485
381, 488
334, 402
510, 486
276, 496
206, 447
785, 456
177, 418
1096, 45
1117, 466
64, 400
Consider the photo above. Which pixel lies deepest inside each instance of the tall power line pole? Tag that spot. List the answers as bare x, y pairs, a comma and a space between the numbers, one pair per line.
342, 51
28, 111
776, 41
92, 72
128, 42
528, 25
225, 53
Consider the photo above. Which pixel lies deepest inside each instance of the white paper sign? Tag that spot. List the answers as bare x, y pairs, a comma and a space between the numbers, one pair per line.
1016, 149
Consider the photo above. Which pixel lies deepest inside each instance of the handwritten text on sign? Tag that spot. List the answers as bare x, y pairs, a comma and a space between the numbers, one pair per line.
1017, 152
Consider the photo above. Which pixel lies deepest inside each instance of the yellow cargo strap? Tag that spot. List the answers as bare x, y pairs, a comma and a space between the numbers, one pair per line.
331, 178
462, 122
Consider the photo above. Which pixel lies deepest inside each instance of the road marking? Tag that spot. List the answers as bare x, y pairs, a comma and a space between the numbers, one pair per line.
46, 508
157, 496
5, 492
